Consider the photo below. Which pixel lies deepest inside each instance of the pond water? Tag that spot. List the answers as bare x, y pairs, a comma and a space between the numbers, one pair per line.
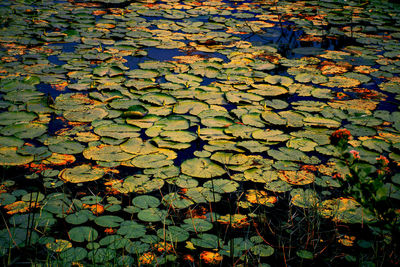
193, 132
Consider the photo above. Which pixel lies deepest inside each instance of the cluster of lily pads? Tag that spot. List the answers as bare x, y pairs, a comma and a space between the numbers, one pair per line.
164, 107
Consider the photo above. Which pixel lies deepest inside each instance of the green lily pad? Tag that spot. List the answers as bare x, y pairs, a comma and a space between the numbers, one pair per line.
260, 176
141, 184
142, 74
145, 202
108, 221
66, 147
236, 246
270, 135
262, 250
107, 153
229, 158
159, 99
152, 215
205, 240
80, 174
131, 229
278, 186
13, 117
221, 185
73, 254
322, 122
304, 198
101, 255
344, 210
82, 233
59, 245
176, 201
10, 157
155, 160
305, 254
117, 131
196, 225
302, 144
114, 241
79, 217
24, 130
11, 141
268, 90
186, 181
185, 79
88, 115
202, 195
173, 234
201, 168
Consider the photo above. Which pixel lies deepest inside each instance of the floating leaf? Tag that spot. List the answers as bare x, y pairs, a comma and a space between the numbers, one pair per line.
221, 185
82, 233
152, 215
262, 250
24, 130
304, 198
118, 131
108, 221
101, 255
260, 197
196, 225
323, 122
88, 115
14, 117
73, 254
145, 202
66, 147
201, 168
297, 177
131, 229
278, 186
10, 157
344, 210
59, 245
107, 153
80, 174
202, 195
205, 240
236, 246
176, 201
302, 144
173, 234
79, 217
305, 254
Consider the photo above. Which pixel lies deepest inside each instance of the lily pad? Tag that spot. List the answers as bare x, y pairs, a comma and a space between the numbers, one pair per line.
145, 202
88, 115
201, 168
173, 234
10, 157
345, 210
152, 215
118, 131
107, 153
80, 174
82, 233
108, 221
